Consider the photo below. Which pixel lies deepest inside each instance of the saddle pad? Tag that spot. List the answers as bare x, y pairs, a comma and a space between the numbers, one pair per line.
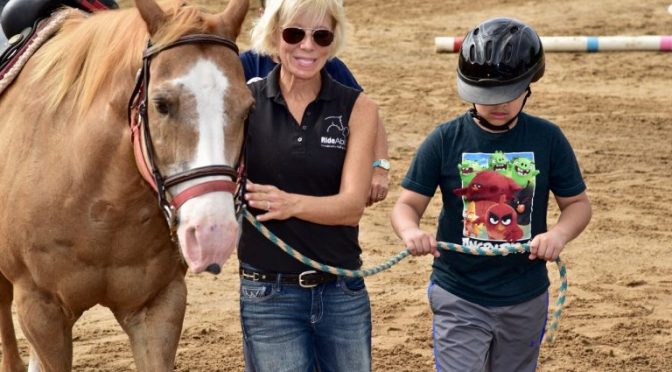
46, 28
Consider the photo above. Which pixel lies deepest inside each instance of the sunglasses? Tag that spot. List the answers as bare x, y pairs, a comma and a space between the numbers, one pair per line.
294, 35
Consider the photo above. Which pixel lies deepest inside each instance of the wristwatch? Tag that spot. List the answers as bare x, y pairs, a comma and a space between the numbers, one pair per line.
382, 163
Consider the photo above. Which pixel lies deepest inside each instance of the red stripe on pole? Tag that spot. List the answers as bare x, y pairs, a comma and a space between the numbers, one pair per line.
666, 43
457, 44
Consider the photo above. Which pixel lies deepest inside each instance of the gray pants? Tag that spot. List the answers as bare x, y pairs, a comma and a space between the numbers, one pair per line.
474, 338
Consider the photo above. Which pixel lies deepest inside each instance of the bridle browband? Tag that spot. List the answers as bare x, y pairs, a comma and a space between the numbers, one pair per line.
143, 147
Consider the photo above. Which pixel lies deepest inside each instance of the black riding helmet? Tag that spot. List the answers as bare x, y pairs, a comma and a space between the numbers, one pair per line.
498, 61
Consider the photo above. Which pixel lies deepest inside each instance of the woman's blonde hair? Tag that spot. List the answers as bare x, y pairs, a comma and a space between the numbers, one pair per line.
279, 13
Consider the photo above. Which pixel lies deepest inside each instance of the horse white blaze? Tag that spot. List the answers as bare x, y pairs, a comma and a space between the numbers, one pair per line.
208, 229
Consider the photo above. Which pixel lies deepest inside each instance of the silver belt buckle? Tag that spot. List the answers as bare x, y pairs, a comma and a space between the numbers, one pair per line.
301, 280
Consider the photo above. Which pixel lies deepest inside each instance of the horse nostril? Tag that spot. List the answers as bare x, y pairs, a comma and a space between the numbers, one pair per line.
214, 269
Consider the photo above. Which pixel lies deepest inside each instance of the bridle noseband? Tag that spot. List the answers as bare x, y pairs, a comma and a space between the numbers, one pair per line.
143, 147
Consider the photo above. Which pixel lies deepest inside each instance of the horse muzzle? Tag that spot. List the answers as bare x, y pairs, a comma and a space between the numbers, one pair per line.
208, 232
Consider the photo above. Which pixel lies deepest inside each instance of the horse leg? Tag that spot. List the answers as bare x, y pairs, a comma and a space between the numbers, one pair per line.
154, 330
48, 329
11, 360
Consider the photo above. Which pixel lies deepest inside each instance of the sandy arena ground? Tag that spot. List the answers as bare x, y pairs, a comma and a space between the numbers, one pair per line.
615, 108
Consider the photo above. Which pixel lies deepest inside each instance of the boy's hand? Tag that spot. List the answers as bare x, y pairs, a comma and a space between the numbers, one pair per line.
419, 242
547, 246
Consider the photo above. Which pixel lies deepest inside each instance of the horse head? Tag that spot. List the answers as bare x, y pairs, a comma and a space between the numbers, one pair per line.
192, 111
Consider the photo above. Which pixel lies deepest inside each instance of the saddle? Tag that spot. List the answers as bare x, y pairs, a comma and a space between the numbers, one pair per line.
21, 19
18, 15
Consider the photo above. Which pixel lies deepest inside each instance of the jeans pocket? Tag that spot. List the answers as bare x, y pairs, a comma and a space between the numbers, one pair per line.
251, 291
352, 286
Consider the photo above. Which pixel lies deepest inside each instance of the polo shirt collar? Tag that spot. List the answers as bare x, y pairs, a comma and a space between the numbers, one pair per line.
326, 93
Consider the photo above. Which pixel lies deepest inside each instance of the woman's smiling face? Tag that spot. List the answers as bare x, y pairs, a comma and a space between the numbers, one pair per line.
306, 58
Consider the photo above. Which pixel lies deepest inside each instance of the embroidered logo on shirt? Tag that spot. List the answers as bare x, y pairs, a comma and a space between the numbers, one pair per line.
337, 133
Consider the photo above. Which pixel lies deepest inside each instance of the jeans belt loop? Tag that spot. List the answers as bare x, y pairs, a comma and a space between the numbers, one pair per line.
302, 282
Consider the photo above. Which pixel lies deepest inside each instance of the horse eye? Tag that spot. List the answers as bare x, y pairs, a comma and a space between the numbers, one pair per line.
162, 106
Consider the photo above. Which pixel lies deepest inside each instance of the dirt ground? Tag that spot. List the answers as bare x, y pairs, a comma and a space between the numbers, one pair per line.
616, 110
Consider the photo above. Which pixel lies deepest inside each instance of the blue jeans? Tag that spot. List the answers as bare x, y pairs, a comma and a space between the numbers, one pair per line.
294, 329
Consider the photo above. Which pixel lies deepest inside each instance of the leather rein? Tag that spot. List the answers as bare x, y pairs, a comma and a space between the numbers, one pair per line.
143, 148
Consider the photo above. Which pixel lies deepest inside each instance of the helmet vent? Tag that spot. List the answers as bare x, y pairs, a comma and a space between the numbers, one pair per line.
488, 50
508, 53
472, 53
476, 31
514, 29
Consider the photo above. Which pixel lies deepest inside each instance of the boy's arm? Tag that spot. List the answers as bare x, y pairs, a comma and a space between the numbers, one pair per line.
406, 215
575, 213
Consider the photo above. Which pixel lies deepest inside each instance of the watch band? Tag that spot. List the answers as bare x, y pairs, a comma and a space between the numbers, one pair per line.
382, 163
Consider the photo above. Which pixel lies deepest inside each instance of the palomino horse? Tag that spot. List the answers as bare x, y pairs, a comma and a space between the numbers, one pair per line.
79, 225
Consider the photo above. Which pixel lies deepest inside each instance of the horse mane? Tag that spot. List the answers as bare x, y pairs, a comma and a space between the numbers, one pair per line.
90, 52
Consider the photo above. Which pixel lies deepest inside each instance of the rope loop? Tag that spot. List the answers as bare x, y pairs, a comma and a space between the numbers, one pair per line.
503, 250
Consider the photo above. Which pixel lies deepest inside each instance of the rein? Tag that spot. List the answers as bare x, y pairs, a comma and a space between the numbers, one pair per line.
503, 251
143, 147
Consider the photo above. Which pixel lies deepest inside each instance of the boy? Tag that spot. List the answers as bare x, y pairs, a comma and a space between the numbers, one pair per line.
495, 166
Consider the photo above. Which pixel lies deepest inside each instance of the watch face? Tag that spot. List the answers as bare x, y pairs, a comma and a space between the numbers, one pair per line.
382, 163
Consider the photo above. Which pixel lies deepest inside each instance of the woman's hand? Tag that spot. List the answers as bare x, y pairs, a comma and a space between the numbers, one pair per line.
279, 205
379, 186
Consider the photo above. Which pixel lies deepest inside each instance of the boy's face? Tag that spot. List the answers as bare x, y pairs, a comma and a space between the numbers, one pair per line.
501, 113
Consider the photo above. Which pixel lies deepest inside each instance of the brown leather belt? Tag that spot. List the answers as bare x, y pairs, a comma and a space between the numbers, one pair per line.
306, 279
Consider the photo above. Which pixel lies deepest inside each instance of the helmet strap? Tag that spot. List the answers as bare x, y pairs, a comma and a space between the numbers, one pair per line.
498, 128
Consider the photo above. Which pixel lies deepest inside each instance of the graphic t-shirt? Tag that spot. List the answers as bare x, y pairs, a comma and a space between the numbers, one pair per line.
495, 189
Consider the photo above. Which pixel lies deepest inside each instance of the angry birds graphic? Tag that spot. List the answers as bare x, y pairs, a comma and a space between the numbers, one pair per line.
471, 225
468, 170
499, 163
489, 185
522, 203
501, 222
523, 171
497, 191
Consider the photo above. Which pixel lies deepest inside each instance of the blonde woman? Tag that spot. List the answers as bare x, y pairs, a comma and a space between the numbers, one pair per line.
308, 159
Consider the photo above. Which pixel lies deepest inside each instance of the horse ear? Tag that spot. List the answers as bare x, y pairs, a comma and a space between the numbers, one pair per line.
152, 14
231, 19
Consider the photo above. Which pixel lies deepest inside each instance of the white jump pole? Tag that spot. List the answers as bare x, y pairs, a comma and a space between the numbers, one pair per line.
579, 43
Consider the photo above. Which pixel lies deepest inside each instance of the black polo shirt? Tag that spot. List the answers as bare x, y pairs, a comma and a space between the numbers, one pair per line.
303, 158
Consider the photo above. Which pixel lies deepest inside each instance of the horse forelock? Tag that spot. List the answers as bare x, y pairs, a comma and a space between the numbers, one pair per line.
101, 51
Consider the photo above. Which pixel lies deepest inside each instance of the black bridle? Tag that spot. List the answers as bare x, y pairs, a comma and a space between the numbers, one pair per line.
145, 155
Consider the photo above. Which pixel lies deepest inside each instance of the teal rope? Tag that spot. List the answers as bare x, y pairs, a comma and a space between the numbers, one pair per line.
503, 250
521, 248
319, 266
